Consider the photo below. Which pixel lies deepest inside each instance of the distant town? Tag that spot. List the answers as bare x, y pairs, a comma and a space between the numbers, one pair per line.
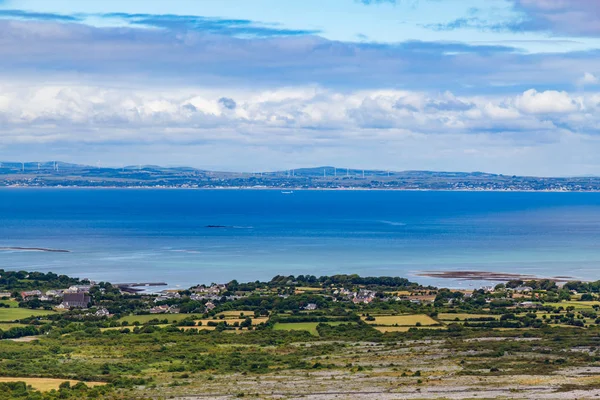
61, 174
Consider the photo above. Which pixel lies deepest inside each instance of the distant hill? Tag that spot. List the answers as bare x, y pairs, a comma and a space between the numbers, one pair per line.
62, 174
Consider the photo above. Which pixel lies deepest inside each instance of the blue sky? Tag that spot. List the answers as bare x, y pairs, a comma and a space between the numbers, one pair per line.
509, 86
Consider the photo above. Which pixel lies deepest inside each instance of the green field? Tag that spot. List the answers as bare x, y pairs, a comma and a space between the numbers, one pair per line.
579, 305
6, 326
303, 326
12, 314
11, 303
142, 319
463, 316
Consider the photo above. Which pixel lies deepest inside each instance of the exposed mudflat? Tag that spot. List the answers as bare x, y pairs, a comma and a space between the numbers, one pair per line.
34, 249
489, 276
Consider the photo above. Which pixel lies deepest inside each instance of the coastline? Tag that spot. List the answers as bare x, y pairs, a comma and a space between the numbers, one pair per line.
245, 188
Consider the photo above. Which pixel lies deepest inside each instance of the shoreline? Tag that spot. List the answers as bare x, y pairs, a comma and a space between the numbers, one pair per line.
244, 188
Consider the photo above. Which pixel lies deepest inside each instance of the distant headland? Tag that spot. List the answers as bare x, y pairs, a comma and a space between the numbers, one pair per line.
60, 174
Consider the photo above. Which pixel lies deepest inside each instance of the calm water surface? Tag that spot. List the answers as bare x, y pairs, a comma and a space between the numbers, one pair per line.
162, 235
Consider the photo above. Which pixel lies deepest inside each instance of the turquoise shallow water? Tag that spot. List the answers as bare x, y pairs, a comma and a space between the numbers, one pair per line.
162, 235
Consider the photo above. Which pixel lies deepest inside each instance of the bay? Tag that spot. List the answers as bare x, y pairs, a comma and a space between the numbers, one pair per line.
133, 235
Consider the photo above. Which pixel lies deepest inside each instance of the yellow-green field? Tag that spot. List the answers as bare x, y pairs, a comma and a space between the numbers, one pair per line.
236, 313
149, 317
303, 326
6, 326
46, 384
404, 328
231, 321
12, 314
11, 303
402, 320
462, 317
307, 289
579, 305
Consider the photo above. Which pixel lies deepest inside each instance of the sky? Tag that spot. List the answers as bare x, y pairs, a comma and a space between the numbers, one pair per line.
504, 86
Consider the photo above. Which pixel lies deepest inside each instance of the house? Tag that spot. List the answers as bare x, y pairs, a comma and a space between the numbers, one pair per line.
160, 309
523, 289
214, 289
54, 293
164, 309
527, 304
360, 299
310, 307
4, 294
102, 312
79, 288
210, 306
75, 300
30, 294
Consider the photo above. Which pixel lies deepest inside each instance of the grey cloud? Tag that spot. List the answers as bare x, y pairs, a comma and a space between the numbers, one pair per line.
561, 17
572, 17
227, 103
145, 56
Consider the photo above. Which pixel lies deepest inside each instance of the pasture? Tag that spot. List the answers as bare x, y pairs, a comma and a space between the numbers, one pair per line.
464, 316
13, 314
385, 329
402, 320
303, 326
46, 384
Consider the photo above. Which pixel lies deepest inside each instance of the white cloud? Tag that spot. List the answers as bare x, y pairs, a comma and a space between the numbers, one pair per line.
400, 128
549, 101
588, 79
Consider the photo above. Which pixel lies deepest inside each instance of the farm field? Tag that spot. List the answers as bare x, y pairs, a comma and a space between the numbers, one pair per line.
303, 326
12, 314
231, 321
6, 326
404, 328
142, 319
578, 305
402, 320
463, 316
236, 314
45, 384
308, 289
11, 303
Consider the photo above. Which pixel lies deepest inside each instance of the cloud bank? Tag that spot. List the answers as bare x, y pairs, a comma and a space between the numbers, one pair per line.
222, 94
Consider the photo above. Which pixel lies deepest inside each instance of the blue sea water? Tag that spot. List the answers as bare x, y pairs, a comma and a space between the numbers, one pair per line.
162, 235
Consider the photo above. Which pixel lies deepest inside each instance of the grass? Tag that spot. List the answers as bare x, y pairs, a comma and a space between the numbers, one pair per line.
403, 320
7, 326
231, 321
149, 317
579, 305
11, 303
302, 289
12, 314
404, 328
236, 313
463, 316
46, 384
302, 326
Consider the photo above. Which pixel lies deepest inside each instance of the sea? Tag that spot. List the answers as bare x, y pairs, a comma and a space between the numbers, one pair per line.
188, 237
